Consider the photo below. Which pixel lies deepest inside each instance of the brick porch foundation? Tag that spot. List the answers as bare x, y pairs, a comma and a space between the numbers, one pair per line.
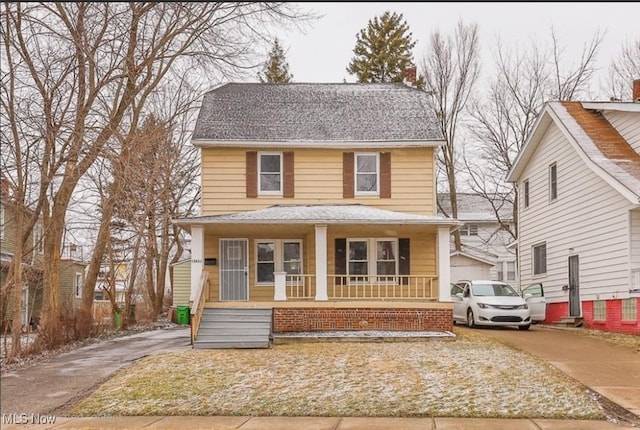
321, 319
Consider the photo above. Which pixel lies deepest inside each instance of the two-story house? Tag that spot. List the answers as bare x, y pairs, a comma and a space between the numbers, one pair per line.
487, 251
319, 209
578, 177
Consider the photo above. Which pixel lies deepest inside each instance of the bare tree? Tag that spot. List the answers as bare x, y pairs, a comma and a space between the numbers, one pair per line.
623, 71
451, 68
87, 68
504, 118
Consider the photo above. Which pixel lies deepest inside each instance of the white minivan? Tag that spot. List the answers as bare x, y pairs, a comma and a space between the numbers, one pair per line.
495, 303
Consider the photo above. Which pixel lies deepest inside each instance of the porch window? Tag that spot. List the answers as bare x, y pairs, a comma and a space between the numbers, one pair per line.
277, 256
382, 263
367, 174
540, 259
270, 173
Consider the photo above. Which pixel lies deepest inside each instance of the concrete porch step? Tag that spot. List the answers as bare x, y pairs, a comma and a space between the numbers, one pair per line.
570, 322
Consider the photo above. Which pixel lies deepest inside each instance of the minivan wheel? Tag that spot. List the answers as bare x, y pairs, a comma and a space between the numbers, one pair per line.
470, 322
524, 327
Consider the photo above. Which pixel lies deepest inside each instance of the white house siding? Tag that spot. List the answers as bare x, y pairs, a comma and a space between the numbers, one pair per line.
589, 219
627, 125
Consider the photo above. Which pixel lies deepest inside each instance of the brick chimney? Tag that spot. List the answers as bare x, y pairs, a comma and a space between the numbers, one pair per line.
636, 91
410, 75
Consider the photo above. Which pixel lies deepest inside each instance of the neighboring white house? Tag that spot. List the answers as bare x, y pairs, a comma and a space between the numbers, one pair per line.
578, 177
485, 252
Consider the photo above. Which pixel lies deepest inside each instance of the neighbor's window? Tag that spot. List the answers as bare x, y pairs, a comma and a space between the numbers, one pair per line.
511, 270
630, 309
553, 182
1, 222
600, 310
38, 239
277, 256
540, 259
367, 168
469, 230
526, 193
270, 173
77, 285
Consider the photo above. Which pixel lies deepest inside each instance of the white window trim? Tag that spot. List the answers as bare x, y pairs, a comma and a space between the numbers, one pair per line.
553, 166
278, 256
533, 260
355, 174
526, 193
372, 258
38, 239
274, 192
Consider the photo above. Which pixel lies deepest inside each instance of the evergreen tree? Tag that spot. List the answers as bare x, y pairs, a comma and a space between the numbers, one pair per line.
276, 68
383, 50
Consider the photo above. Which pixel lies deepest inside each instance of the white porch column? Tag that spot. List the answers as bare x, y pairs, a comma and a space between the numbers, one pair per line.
197, 258
280, 280
444, 265
321, 262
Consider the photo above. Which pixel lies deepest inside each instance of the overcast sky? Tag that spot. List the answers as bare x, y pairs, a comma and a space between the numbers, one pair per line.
322, 52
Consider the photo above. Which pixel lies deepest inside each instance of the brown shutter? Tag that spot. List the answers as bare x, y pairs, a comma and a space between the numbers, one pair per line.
404, 265
340, 260
385, 175
252, 174
347, 175
288, 187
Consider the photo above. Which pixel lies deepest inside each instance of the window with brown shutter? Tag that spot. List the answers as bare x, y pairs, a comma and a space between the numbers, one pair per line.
288, 177
347, 175
385, 175
252, 174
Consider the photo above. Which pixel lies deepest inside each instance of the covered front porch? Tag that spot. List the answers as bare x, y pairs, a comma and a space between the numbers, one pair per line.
331, 267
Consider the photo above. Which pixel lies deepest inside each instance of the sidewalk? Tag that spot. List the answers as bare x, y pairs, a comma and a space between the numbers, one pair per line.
609, 369
315, 423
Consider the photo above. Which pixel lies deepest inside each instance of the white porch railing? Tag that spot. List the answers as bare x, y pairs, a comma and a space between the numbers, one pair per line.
342, 287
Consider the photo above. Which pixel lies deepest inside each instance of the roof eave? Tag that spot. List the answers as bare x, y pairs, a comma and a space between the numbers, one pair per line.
337, 144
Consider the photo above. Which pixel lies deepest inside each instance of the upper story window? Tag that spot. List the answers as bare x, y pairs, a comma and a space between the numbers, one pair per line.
539, 259
526, 193
270, 173
469, 230
553, 181
367, 173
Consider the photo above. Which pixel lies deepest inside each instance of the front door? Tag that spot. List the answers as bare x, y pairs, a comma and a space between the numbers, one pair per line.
234, 282
574, 287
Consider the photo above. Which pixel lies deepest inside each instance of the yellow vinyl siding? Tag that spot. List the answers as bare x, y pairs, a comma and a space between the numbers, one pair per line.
318, 180
181, 283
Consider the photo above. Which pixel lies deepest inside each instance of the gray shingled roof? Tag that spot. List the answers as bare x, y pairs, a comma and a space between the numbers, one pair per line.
310, 214
474, 207
316, 112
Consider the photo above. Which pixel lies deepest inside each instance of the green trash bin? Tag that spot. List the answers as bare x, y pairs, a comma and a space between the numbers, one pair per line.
183, 314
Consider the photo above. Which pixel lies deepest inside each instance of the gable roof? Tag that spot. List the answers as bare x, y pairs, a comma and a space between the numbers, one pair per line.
596, 141
315, 112
475, 207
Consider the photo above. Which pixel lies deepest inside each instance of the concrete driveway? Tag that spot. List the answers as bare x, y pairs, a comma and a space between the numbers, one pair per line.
47, 386
607, 368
